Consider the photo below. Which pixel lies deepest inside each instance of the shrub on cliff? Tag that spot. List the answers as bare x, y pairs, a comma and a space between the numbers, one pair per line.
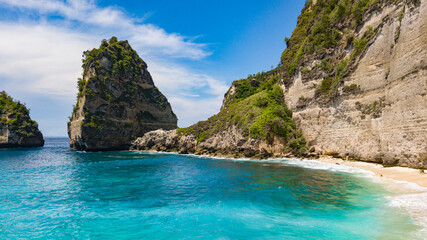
16, 116
254, 104
320, 28
257, 116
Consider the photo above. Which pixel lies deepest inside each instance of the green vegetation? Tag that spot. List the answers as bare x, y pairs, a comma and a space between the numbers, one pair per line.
360, 43
254, 84
328, 87
124, 60
397, 34
351, 88
400, 17
92, 122
374, 109
320, 29
256, 104
16, 117
258, 115
123, 57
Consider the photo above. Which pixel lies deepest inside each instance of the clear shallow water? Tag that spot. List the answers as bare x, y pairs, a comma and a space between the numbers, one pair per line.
58, 193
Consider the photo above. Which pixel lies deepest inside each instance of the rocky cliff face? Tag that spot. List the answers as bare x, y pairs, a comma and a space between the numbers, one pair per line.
378, 109
227, 143
354, 75
259, 126
117, 100
16, 127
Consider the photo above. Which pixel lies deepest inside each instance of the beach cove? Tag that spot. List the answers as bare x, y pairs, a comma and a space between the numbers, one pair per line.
56, 192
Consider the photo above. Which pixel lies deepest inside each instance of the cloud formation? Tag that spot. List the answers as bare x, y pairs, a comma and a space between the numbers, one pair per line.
148, 37
41, 56
41, 59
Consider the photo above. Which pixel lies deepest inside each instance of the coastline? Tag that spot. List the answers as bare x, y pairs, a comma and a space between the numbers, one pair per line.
402, 174
407, 186
397, 173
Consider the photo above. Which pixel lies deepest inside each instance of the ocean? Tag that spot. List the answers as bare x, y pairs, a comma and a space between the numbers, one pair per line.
58, 193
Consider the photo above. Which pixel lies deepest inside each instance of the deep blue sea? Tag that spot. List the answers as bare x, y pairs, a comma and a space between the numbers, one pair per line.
57, 193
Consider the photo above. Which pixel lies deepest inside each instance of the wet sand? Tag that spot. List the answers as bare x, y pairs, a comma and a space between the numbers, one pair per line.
395, 173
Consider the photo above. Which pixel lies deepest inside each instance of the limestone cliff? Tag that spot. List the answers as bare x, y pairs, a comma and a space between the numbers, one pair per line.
16, 127
117, 100
372, 105
354, 75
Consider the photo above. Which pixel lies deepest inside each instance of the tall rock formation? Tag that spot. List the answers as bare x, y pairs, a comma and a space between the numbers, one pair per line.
354, 75
16, 127
117, 100
365, 97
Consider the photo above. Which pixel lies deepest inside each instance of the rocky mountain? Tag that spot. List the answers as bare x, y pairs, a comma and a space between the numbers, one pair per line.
354, 83
16, 127
117, 100
365, 97
259, 126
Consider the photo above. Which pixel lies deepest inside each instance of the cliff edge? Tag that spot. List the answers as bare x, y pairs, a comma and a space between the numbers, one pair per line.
354, 84
363, 95
16, 127
117, 100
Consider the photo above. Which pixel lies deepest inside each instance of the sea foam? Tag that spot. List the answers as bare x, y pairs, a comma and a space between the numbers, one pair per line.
405, 195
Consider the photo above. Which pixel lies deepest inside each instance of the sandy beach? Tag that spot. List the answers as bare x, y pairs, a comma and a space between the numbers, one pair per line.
408, 187
394, 173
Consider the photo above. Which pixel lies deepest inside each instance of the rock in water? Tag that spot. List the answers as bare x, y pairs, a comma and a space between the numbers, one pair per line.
354, 81
16, 127
117, 100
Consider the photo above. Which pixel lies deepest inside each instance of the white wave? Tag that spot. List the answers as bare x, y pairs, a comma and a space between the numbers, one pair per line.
406, 195
314, 164
410, 197
305, 163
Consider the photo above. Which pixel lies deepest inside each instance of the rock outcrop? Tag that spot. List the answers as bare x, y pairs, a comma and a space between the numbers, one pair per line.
354, 74
258, 127
378, 111
117, 100
227, 143
16, 127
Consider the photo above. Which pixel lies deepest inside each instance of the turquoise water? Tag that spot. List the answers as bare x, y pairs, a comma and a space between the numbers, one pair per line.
58, 193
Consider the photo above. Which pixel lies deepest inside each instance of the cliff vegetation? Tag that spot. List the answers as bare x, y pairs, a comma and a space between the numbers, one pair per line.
117, 100
16, 116
351, 80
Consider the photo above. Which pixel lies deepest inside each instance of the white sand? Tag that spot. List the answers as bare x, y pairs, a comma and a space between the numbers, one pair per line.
395, 173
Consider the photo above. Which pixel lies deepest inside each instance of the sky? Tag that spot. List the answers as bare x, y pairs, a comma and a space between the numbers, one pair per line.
194, 49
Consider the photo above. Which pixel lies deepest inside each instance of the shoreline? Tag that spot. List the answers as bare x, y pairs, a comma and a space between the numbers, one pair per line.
407, 186
396, 173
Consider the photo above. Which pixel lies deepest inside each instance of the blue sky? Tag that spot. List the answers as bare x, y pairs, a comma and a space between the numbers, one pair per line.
194, 49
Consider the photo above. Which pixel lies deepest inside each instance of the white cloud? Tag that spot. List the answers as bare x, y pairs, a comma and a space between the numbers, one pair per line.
194, 110
44, 58
183, 89
175, 79
41, 59
147, 37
